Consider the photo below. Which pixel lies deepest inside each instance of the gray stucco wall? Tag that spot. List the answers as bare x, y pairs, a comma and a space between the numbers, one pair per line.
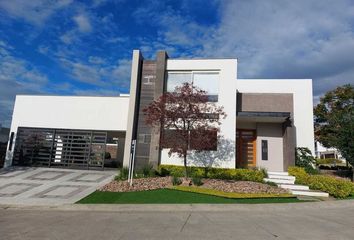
272, 132
265, 102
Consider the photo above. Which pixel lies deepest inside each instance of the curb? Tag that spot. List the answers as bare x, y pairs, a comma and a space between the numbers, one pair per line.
131, 208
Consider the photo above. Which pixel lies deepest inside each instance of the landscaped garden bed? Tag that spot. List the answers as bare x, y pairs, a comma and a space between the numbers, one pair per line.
169, 185
231, 186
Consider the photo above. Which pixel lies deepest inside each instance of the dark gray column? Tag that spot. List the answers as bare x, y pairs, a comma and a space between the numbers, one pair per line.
161, 63
289, 144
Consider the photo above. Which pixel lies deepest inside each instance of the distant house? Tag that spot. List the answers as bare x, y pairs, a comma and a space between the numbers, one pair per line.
325, 153
266, 119
4, 137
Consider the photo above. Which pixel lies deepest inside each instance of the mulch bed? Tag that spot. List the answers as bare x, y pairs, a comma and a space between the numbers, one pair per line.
143, 184
139, 184
241, 186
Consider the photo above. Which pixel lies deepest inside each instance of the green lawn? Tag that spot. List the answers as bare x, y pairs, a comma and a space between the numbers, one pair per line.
171, 196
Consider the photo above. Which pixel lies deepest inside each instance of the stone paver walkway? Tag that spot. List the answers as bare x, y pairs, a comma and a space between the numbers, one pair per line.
49, 186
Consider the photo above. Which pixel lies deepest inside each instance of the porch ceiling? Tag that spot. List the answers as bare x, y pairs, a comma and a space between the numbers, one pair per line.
271, 117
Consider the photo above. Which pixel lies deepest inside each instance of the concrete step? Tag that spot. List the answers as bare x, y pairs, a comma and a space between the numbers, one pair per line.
279, 173
294, 187
281, 177
279, 181
309, 193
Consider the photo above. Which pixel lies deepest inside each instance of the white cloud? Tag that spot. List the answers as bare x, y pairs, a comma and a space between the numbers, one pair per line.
68, 37
33, 11
17, 76
83, 23
43, 49
96, 60
101, 75
291, 39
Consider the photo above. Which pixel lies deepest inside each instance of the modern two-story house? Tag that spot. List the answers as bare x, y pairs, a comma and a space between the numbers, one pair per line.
266, 120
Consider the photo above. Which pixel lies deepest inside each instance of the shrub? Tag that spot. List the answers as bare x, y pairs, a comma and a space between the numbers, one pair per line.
197, 181
170, 170
328, 161
254, 175
176, 181
311, 170
237, 174
336, 187
264, 171
148, 170
304, 158
300, 175
107, 155
123, 174
271, 184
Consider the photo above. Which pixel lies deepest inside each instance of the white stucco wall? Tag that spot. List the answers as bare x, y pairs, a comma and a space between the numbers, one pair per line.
72, 112
303, 103
69, 112
227, 69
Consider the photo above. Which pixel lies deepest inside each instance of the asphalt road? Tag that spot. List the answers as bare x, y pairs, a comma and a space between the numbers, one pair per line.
267, 221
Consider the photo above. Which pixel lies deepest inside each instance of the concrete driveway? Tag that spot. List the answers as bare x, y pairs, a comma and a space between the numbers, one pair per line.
49, 186
310, 221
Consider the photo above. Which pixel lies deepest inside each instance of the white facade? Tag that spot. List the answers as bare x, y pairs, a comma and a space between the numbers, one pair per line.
64, 112
227, 69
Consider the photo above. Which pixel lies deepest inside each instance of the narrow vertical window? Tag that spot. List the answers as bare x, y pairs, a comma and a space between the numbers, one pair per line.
11, 141
264, 149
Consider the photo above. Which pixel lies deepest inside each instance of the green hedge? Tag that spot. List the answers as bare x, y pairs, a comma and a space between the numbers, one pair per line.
217, 173
328, 161
336, 187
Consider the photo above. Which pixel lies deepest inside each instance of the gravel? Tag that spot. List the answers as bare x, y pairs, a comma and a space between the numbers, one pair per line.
241, 186
143, 184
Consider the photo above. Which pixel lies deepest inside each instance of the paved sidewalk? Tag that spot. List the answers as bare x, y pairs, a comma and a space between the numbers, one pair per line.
49, 186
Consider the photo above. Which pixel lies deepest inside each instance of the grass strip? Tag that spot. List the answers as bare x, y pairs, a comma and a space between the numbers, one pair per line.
171, 196
231, 194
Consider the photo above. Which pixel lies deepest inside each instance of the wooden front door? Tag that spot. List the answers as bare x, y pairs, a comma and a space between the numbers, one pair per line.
245, 148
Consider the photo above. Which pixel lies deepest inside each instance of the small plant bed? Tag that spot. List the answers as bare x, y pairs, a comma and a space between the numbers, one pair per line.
230, 186
170, 196
140, 184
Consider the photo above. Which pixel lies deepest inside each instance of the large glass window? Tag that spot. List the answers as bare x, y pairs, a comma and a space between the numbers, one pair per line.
207, 81
177, 79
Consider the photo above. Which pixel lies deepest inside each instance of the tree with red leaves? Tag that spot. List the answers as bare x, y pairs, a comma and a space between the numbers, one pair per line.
186, 121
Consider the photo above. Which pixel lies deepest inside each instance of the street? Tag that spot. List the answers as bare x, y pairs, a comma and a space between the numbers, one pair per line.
267, 221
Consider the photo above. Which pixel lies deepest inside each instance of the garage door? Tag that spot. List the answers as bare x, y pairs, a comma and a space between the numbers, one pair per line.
60, 148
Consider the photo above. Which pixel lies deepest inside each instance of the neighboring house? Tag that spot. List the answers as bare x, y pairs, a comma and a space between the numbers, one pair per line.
266, 119
4, 137
325, 153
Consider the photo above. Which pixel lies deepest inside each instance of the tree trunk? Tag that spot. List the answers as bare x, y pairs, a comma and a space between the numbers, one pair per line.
185, 165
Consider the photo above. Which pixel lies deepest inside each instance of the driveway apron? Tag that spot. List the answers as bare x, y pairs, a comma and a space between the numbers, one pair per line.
49, 186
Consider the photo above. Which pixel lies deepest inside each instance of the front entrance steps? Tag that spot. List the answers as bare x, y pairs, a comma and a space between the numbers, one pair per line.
283, 180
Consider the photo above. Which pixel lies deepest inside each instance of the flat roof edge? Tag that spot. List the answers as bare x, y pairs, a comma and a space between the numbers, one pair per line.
46, 95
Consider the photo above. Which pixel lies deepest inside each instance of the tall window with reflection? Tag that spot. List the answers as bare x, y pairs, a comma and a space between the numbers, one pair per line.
177, 79
207, 81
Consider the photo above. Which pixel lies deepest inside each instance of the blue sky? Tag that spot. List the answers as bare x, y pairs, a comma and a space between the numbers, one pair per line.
67, 47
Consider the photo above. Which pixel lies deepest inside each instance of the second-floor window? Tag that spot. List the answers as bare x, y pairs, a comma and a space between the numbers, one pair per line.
205, 80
